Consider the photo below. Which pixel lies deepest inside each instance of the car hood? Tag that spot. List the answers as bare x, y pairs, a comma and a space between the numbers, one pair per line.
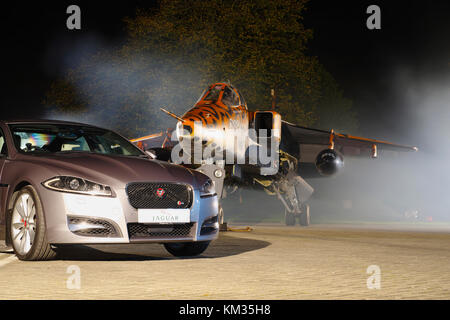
114, 171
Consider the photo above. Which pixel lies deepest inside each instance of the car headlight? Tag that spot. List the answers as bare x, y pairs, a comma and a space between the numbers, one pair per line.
208, 189
77, 185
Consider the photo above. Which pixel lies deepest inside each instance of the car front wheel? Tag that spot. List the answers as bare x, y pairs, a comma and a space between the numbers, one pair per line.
186, 249
27, 227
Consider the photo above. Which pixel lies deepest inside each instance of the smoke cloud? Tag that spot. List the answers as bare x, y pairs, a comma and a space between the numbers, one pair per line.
395, 187
367, 190
118, 88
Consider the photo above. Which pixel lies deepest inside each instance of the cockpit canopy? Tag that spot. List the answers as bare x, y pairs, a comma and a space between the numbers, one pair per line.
224, 93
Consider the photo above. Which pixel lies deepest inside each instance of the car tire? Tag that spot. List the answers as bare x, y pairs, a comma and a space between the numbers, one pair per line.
305, 218
289, 218
27, 227
186, 249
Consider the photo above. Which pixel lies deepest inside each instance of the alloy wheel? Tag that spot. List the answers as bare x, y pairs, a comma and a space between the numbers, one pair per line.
23, 224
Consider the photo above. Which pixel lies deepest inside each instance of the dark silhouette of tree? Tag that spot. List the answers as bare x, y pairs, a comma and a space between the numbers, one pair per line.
173, 53
334, 110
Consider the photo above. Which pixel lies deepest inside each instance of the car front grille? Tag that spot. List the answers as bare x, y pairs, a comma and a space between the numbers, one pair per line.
141, 231
159, 195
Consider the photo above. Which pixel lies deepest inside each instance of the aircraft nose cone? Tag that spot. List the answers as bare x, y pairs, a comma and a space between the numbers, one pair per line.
185, 129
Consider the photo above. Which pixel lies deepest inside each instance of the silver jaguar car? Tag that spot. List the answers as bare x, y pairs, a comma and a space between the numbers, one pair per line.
70, 183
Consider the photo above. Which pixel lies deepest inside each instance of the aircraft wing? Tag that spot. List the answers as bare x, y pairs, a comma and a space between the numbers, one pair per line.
346, 144
158, 140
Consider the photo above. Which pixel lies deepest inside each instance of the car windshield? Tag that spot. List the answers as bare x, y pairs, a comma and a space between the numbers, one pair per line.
63, 138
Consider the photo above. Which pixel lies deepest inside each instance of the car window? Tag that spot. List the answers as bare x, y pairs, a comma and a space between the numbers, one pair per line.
79, 144
28, 141
3, 148
51, 138
108, 143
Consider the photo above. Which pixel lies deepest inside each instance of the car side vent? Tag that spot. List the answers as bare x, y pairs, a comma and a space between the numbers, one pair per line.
92, 227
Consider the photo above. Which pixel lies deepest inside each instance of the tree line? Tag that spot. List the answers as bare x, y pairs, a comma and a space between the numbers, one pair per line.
174, 51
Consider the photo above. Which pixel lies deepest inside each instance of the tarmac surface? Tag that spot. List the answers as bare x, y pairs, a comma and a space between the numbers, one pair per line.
270, 262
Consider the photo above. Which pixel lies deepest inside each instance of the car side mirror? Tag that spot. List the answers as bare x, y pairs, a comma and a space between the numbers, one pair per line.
150, 154
160, 154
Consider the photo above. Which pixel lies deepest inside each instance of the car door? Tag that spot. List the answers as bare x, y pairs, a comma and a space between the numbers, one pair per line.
3, 185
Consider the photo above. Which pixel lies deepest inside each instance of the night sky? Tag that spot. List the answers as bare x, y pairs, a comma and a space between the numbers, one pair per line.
414, 36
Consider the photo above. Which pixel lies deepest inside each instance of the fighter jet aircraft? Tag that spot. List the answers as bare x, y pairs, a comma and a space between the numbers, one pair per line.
221, 127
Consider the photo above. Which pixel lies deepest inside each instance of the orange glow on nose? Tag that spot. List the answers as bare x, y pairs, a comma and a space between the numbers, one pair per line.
186, 128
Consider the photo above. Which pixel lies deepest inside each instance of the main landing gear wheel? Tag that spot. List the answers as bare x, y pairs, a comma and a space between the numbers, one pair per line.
27, 227
289, 218
186, 249
304, 218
